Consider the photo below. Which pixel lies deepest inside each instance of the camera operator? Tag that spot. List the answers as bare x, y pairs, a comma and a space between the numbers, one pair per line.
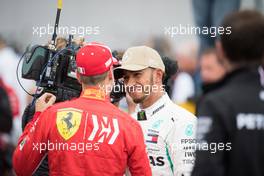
234, 112
115, 139
168, 129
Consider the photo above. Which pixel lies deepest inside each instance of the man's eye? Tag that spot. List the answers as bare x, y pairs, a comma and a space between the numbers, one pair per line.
137, 74
125, 78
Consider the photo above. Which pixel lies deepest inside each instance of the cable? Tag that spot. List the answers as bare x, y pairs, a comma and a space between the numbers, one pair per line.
18, 76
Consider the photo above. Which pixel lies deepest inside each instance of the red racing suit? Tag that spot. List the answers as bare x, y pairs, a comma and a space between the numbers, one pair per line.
85, 136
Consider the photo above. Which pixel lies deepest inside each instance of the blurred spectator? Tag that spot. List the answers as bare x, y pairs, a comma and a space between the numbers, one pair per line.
6, 112
232, 117
184, 87
5, 129
212, 70
210, 13
8, 63
186, 56
162, 45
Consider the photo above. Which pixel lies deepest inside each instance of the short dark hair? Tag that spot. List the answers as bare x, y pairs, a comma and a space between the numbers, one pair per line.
93, 80
246, 41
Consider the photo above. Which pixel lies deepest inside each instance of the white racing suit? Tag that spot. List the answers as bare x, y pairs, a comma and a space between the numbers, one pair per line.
169, 133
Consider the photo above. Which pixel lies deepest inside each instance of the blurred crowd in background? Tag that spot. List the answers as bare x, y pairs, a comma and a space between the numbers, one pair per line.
195, 69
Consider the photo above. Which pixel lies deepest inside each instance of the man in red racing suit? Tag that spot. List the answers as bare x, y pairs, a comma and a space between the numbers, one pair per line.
85, 136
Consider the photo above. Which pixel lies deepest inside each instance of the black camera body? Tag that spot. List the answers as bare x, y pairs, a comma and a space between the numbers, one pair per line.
54, 71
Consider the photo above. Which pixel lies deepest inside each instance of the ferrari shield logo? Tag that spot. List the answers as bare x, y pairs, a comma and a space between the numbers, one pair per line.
68, 122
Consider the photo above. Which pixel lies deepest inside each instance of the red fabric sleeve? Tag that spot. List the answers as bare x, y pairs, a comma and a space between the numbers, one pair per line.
30, 149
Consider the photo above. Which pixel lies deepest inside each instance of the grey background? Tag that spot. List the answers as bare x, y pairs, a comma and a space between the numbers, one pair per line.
122, 23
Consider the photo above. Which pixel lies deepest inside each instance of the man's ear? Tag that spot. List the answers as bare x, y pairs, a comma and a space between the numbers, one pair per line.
78, 77
159, 75
111, 74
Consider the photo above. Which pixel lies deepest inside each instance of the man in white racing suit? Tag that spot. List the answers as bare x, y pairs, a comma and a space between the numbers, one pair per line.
169, 130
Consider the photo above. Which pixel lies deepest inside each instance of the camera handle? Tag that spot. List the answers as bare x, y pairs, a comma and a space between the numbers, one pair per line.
54, 36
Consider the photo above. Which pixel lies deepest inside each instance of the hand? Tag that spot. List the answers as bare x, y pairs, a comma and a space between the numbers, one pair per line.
131, 105
79, 41
45, 101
